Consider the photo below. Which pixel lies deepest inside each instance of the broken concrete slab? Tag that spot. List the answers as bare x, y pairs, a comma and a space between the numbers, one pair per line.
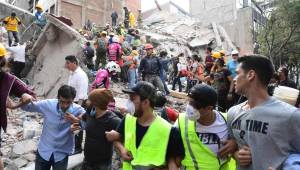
56, 42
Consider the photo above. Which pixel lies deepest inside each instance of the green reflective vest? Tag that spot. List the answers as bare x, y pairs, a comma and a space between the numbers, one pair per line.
153, 147
197, 155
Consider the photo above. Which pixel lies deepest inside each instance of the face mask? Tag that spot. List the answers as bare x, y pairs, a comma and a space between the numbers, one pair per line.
130, 107
192, 113
93, 112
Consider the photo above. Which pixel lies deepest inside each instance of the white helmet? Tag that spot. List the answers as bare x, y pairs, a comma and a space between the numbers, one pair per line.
113, 67
234, 52
115, 39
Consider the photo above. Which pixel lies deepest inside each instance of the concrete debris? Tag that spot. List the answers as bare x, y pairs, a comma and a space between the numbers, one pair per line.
20, 162
30, 157
177, 31
24, 147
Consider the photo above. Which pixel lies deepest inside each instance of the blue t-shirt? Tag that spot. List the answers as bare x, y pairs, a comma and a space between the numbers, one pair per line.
231, 66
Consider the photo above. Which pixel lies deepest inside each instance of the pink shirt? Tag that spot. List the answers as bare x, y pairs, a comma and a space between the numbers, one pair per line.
102, 77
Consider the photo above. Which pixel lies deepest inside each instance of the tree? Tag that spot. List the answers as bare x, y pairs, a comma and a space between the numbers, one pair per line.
279, 37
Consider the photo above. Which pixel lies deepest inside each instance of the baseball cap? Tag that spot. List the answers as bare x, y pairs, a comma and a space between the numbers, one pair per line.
144, 89
203, 95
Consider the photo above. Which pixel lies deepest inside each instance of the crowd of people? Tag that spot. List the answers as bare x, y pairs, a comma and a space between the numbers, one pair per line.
231, 121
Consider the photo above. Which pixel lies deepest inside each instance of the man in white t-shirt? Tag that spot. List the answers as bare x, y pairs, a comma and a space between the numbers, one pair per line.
79, 80
204, 132
18, 54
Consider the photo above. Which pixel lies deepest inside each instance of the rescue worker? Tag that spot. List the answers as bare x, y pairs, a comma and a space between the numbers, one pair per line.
204, 133
12, 23
149, 140
131, 20
150, 67
40, 18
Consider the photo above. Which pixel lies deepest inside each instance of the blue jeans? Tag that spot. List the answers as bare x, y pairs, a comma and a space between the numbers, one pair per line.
175, 81
163, 76
12, 34
41, 164
131, 77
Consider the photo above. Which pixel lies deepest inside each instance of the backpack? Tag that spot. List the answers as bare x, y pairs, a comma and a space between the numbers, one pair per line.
102, 45
113, 50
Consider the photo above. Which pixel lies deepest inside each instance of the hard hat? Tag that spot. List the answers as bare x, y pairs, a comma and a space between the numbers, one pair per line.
103, 33
148, 46
2, 51
113, 67
216, 55
111, 34
115, 39
38, 6
134, 53
222, 52
234, 52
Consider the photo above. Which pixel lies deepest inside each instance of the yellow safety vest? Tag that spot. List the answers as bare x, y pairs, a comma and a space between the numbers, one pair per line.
12, 24
197, 155
153, 147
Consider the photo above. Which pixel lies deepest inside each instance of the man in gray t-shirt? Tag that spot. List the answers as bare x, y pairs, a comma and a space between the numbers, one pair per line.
265, 129
271, 130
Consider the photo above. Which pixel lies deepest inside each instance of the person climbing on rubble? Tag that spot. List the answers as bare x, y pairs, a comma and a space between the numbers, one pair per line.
126, 18
98, 150
40, 18
204, 133
131, 20
56, 141
10, 85
18, 52
12, 23
101, 50
150, 67
102, 79
165, 68
89, 55
114, 18
114, 50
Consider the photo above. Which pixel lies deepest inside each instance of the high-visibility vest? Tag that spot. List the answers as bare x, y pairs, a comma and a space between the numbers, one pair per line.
197, 155
153, 147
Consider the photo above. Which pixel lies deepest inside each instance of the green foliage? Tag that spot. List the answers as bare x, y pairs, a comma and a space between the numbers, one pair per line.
279, 38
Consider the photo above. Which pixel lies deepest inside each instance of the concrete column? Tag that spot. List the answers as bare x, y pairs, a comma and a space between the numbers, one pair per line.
83, 12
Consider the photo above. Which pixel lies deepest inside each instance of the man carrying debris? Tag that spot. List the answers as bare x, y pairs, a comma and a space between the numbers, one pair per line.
18, 54
79, 80
57, 140
150, 67
12, 23
9, 86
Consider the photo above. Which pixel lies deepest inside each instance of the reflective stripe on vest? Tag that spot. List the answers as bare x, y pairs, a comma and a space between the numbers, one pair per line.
153, 147
197, 155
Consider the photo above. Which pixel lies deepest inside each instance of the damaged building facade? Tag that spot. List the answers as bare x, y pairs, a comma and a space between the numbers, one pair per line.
240, 18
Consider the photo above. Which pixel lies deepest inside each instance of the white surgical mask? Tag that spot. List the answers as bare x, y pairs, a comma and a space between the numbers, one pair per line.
130, 107
192, 113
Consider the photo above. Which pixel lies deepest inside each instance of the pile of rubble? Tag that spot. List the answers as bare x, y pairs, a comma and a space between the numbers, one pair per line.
180, 33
